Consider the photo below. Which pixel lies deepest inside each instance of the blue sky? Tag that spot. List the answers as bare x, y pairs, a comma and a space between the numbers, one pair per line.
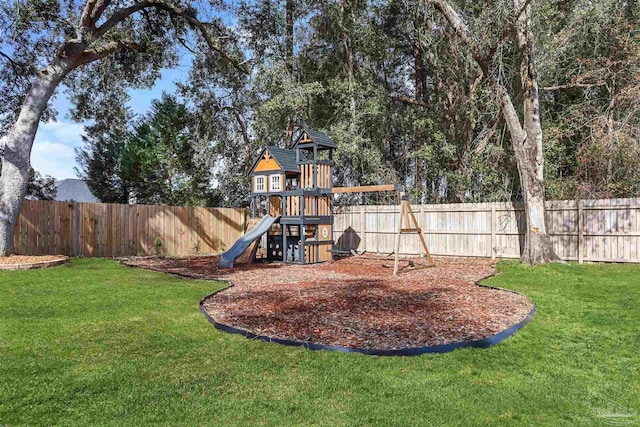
53, 149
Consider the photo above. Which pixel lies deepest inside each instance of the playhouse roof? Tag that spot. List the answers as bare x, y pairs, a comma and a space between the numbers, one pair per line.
320, 138
285, 158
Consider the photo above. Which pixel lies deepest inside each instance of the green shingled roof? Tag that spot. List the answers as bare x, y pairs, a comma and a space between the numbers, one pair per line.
320, 138
285, 158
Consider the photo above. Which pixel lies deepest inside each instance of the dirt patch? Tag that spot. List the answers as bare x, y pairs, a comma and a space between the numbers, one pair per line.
25, 262
356, 302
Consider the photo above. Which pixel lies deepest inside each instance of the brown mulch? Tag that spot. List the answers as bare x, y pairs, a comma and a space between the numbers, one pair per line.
26, 259
356, 302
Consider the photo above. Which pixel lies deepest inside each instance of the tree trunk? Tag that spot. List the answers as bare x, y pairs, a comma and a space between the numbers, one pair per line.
16, 164
526, 137
417, 78
348, 65
537, 245
289, 42
530, 155
289, 10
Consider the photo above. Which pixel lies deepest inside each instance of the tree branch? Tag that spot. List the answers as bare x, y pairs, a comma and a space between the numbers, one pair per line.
462, 31
184, 44
573, 85
98, 10
14, 64
485, 135
85, 18
506, 103
507, 30
94, 54
193, 22
90, 14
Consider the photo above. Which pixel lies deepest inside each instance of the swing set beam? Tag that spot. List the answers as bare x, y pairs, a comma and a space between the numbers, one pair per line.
367, 188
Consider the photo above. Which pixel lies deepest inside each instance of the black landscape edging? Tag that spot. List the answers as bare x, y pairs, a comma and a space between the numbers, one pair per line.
409, 351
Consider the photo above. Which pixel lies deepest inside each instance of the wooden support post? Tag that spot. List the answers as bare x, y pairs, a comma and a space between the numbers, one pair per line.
283, 208
314, 167
363, 221
580, 232
417, 227
303, 253
405, 213
402, 215
493, 232
314, 176
75, 226
283, 228
423, 218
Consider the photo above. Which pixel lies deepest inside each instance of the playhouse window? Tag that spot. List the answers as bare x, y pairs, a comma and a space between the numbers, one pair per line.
275, 183
259, 184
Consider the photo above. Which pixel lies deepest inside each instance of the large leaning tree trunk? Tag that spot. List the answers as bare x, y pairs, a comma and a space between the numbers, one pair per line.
526, 135
529, 153
91, 42
16, 165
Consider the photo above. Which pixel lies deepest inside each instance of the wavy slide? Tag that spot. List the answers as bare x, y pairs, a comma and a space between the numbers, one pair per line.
241, 245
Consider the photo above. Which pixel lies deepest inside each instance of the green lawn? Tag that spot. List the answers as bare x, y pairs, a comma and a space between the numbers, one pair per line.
94, 343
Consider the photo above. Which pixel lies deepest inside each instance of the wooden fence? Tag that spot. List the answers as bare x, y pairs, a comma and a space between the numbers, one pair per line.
589, 230
111, 230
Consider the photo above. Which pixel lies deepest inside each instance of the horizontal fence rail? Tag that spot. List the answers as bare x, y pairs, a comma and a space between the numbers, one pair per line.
587, 230
113, 230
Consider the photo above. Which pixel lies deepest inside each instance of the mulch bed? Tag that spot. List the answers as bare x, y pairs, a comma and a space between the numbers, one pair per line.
26, 262
356, 302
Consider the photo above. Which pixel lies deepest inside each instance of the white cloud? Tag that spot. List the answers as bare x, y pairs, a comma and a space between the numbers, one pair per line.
53, 158
53, 149
63, 130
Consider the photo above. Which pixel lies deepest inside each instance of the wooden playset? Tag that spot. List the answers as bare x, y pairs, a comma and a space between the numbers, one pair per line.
292, 192
295, 185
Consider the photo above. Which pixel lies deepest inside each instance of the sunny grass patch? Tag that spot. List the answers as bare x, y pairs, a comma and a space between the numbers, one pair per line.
95, 343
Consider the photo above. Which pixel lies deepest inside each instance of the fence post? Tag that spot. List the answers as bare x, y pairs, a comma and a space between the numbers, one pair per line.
493, 232
75, 228
363, 221
580, 232
422, 222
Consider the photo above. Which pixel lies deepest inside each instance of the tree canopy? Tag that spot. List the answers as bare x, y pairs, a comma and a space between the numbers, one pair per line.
155, 159
406, 103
